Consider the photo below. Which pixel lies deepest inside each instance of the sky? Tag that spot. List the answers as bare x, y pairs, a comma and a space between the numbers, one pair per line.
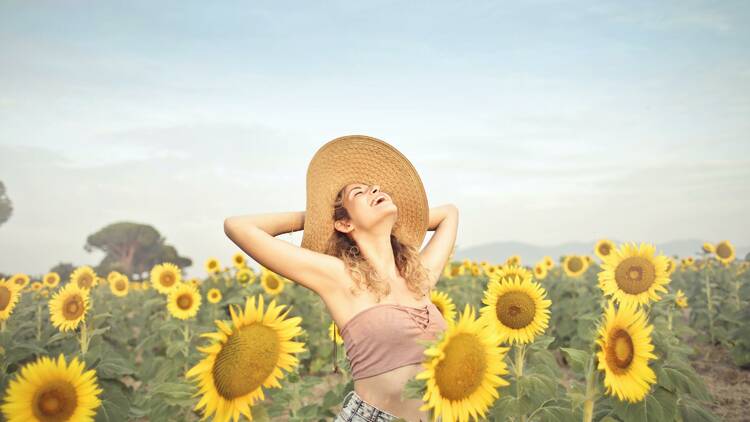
543, 122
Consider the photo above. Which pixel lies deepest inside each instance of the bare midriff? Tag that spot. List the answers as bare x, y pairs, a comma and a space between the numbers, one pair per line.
384, 390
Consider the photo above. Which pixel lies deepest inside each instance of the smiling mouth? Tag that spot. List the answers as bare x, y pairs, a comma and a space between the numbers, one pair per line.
379, 201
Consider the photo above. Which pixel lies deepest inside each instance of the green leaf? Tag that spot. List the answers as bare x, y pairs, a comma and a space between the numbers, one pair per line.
114, 367
577, 359
115, 404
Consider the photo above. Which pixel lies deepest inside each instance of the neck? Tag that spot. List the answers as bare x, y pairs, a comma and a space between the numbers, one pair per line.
379, 254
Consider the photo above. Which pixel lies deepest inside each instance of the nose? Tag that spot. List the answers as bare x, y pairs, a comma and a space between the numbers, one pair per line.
375, 188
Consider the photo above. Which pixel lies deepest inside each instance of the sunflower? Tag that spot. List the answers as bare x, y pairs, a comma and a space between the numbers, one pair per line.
238, 260
725, 252
463, 371
625, 349
444, 304
9, 295
247, 355
119, 285
549, 261
36, 286
708, 247
475, 269
574, 265
634, 274
447, 271
112, 275
516, 309
213, 295
540, 270
245, 276
212, 266
510, 271
68, 307
51, 390
671, 265
51, 279
331, 333
20, 280
603, 248
457, 270
184, 301
680, 299
513, 260
272, 283
165, 277
84, 276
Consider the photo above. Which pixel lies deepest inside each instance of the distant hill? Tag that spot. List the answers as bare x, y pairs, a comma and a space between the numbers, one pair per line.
498, 252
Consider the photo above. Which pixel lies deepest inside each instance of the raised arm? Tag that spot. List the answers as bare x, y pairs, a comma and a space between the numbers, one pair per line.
255, 235
434, 256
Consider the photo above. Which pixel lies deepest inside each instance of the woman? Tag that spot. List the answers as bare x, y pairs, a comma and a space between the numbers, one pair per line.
366, 218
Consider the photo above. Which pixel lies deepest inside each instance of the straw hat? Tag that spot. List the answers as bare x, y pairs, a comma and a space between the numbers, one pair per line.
363, 159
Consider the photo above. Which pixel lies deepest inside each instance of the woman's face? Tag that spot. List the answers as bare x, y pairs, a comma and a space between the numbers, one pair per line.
369, 207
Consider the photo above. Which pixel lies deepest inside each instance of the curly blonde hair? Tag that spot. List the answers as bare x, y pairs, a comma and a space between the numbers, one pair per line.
409, 265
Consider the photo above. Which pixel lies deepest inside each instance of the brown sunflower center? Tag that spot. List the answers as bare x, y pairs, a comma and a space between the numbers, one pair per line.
167, 279
619, 351
185, 301
245, 361
85, 281
5, 295
515, 309
55, 401
575, 264
723, 251
120, 285
212, 264
272, 282
604, 249
73, 308
462, 369
635, 275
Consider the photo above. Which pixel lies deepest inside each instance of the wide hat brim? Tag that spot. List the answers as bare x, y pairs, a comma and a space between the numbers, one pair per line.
363, 159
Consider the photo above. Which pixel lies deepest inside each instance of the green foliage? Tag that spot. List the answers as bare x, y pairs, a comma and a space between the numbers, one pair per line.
140, 353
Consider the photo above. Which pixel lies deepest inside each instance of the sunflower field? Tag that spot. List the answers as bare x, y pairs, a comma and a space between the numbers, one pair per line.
617, 335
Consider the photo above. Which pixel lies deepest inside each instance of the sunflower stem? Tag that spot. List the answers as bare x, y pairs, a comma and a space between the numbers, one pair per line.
710, 306
2, 326
519, 355
186, 350
38, 321
588, 405
84, 338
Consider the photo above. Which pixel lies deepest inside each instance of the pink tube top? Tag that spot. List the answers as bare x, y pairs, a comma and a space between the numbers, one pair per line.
382, 337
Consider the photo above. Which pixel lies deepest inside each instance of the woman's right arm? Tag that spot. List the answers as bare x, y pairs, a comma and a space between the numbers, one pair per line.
255, 235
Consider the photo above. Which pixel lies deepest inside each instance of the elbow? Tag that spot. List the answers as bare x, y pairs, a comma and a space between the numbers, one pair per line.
227, 225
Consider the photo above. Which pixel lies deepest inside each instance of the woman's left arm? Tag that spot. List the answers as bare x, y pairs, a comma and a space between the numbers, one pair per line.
434, 256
